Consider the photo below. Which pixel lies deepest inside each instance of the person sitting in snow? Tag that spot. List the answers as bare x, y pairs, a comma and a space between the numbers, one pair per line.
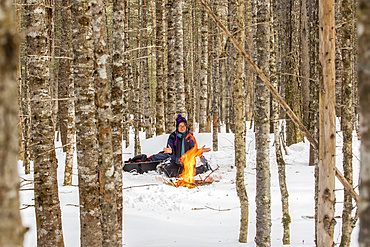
179, 142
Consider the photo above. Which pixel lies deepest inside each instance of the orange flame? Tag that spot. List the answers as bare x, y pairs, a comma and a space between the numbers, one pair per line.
186, 178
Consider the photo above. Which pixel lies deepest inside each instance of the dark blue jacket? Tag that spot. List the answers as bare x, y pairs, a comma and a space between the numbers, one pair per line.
176, 143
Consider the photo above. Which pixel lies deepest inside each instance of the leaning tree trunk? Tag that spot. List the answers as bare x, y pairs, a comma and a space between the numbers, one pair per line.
203, 74
118, 105
346, 118
364, 93
11, 228
240, 129
48, 214
171, 86
326, 196
179, 57
262, 104
159, 42
86, 131
104, 113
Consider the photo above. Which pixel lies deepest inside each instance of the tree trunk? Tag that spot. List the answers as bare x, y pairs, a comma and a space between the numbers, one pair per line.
11, 228
203, 74
48, 214
118, 105
292, 91
286, 219
347, 117
159, 41
326, 196
262, 105
240, 129
86, 131
171, 83
179, 57
127, 76
216, 80
104, 114
364, 93
305, 63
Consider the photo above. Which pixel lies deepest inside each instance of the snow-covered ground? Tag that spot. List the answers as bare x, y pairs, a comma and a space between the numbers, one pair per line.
156, 214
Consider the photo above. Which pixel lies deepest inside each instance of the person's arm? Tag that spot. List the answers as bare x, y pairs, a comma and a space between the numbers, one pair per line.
170, 147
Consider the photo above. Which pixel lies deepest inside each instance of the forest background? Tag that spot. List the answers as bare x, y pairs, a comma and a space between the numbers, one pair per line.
93, 69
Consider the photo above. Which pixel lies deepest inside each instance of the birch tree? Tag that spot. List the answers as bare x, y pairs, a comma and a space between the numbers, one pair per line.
240, 159
262, 113
364, 93
326, 195
117, 94
86, 131
11, 228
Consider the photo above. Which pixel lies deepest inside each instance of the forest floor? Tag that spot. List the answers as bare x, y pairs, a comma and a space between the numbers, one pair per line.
157, 214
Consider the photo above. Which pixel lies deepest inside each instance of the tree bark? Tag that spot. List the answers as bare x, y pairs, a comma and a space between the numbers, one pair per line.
11, 228
216, 80
240, 130
159, 41
171, 83
261, 117
118, 106
305, 63
86, 131
203, 74
364, 94
347, 117
327, 131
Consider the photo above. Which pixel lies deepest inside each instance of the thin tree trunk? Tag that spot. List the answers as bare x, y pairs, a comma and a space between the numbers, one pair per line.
305, 63
261, 117
216, 81
179, 57
11, 228
127, 76
48, 214
159, 41
240, 159
203, 74
118, 106
171, 84
86, 131
364, 93
286, 219
326, 197
347, 117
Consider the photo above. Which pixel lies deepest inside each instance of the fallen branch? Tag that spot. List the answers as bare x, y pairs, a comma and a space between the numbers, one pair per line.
136, 186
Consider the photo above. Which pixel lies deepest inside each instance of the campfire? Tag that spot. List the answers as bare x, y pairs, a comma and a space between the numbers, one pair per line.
186, 178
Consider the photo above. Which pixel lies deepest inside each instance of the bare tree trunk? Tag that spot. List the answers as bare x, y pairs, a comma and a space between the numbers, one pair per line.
171, 84
286, 219
364, 93
326, 197
347, 117
240, 129
48, 214
262, 105
118, 105
216, 80
11, 228
305, 63
104, 113
160, 123
203, 74
127, 76
179, 57
86, 131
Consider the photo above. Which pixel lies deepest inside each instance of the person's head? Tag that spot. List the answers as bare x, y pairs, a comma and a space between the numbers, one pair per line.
181, 124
